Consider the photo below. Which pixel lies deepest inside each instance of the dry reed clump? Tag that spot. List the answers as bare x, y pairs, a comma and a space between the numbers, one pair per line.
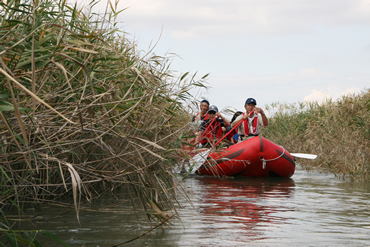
81, 111
337, 131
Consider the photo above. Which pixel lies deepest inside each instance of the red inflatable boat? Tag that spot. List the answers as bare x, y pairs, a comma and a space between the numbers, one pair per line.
255, 157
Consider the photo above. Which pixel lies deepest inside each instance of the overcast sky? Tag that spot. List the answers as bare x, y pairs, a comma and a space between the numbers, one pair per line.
274, 51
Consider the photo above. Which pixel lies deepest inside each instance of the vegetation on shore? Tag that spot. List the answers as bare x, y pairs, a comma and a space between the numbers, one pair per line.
82, 112
337, 131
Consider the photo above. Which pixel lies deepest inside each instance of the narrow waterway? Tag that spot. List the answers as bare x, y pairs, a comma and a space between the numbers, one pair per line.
311, 209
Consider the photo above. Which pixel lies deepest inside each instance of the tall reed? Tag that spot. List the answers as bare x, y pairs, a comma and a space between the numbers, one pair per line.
337, 131
81, 111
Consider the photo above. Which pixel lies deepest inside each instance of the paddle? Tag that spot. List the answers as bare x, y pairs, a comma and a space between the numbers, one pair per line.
205, 131
199, 159
304, 156
236, 126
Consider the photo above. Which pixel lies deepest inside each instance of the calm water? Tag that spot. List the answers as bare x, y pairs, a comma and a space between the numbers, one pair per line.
311, 209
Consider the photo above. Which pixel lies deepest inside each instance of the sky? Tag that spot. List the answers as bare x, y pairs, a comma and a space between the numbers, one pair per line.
283, 51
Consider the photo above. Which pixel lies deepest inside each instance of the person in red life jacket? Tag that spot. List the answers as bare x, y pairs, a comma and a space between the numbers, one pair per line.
203, 114
253, 120
214, 127
233, 136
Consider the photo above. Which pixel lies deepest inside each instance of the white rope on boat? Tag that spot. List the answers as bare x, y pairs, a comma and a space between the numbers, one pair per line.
264, 161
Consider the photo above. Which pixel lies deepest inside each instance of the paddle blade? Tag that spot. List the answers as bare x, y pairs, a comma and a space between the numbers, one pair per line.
199, 159
304, 156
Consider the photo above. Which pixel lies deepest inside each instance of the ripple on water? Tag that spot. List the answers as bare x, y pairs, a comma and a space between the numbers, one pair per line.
311, 209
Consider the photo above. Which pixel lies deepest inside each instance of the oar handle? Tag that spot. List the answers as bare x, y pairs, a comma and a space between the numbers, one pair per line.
201, 157
236, 126
200, 138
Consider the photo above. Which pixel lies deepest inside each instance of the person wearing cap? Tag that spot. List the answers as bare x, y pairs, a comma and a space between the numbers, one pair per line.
253, 120
215, 129
203, 114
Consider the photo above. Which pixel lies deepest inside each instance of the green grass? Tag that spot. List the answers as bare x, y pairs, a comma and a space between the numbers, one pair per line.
337, 131
82, 112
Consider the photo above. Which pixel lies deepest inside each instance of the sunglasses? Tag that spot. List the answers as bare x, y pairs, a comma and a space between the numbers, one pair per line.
212, 112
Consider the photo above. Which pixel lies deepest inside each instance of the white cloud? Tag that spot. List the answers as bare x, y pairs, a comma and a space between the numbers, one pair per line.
332, 92
199, 18
276, 80
190, 18
251, 49
317, 95
310, 84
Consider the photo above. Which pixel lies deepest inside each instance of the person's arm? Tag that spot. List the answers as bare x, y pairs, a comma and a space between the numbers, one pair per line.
201, 129
237, 120
226, 122
264, 118
197, 137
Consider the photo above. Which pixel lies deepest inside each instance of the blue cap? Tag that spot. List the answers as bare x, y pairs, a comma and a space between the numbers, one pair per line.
205, 101
250, 100
213, 108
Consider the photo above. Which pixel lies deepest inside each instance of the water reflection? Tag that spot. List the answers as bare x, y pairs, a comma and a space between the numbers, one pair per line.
311, 210
241, 204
